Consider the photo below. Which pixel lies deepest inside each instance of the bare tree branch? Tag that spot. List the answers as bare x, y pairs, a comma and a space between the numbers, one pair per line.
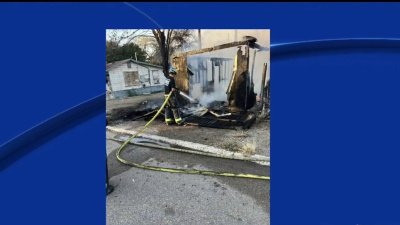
125, 36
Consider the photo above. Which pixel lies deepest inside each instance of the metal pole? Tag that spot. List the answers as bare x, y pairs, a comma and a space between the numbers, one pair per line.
247, 77
109, 188
236, 35
199, 32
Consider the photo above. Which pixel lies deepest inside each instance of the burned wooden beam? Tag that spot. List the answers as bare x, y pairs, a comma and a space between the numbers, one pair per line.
218, 47
259, 47
262, 90
247, 40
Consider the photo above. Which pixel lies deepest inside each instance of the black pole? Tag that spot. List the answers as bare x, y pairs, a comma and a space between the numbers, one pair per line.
109, 188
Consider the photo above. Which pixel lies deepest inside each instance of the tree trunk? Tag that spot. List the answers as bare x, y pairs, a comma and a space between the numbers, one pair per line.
161, 40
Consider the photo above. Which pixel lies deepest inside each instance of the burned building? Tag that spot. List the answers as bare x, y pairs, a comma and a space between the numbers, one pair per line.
217, 90
212, 74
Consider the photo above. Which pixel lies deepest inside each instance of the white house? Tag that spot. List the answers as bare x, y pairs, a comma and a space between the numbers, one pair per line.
130, 77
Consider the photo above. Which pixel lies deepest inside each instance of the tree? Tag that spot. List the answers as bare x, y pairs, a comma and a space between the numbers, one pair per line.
158, 47
170, 41
155, 57
114, 52
122, 37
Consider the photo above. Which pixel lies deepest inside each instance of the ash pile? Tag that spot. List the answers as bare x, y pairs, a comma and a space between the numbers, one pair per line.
217, 114
223, 86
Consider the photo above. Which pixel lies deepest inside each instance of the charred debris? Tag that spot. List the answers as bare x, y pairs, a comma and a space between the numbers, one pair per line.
199, 78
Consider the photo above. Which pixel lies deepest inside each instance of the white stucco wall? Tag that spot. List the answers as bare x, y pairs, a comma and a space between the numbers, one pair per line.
117, 76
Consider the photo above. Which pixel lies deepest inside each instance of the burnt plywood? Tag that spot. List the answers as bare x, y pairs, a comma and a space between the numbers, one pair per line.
240, 92
182, 76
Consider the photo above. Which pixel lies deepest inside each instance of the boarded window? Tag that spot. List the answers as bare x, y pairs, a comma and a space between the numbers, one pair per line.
131, 78
156, 76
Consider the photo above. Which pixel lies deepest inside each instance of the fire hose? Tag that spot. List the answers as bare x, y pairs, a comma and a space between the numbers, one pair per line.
175, 170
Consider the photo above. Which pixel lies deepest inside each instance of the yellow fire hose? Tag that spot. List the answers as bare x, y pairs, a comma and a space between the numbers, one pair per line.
171, 170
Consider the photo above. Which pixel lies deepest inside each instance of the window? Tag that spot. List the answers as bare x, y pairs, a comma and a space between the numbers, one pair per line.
145, 78
156, 76
131, 78
129, 64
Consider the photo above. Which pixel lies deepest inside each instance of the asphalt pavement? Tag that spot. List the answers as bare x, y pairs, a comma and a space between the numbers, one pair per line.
158, 198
